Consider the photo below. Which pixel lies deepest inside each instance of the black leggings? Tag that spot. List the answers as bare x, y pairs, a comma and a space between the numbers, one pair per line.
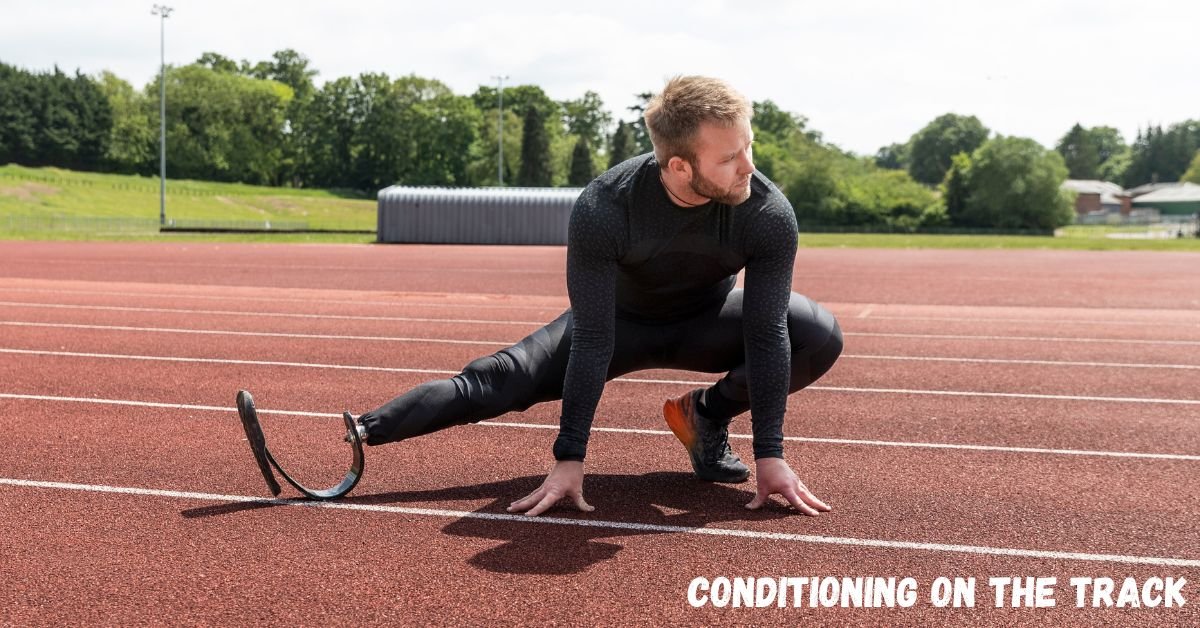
532, 371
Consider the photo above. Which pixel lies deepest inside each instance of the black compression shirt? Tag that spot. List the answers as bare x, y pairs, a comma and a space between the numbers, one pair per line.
632, 253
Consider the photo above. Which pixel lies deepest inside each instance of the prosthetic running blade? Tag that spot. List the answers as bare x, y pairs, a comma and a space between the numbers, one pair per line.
264, 459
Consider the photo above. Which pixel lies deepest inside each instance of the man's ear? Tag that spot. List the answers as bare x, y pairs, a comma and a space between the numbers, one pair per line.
680, 167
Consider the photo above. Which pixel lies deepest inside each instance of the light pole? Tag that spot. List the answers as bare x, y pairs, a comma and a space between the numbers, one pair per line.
500, 124
163, 12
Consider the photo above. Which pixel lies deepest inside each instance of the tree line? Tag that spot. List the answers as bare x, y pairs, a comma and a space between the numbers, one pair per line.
268, 123
1156, 156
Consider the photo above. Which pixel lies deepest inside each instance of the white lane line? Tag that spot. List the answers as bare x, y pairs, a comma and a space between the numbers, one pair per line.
868, 312
473, 321
648, 432
1032, 321
389, 369
1122, 365
1004, 395
307, 300
1133, 341
505, 343
167, 310
155, 358
356, 270
1162, 561
884, 443
257, 334
637, 380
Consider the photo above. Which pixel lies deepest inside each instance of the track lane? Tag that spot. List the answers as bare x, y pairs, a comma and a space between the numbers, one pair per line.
485, 572
1100, 505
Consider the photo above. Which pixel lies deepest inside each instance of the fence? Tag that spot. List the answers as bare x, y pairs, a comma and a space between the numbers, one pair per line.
77, 224
107, 225
922, 230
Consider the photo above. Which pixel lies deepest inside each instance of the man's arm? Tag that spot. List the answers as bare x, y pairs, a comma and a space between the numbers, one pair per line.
591, 286
772, 253
771, 248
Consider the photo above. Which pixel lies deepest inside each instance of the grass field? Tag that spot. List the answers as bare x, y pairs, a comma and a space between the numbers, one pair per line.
30, 196
54, 204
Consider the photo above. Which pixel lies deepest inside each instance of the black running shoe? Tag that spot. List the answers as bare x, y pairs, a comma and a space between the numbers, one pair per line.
707, 442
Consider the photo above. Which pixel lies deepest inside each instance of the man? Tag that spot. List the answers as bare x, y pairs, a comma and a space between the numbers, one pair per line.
654, 247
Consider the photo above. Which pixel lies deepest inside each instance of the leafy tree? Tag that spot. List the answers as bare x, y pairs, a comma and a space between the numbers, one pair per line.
955, 192
1108, 142
1080, 153
52, 119
1009, 183
535, 150
288, 67
72, 121
933, 146
1114, 168
18, 124
1162, 156
1193, 172
519, 99
770, 120
587, 118
484, 153
621, 146
324, 131
218, 63
583, 169
220, 126
641, 137
132, 144
828, 187
893, 157
414, 131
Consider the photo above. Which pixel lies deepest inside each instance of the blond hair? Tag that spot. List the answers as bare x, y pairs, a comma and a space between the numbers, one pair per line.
674, 116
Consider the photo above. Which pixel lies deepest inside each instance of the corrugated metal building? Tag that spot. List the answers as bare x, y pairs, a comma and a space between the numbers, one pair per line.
1180, 199
475, 215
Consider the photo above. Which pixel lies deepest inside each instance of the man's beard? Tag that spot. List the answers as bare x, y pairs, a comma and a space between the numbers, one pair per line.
733, 196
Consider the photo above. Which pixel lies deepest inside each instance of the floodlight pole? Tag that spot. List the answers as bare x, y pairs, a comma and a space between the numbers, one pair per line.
163, 12
500, 124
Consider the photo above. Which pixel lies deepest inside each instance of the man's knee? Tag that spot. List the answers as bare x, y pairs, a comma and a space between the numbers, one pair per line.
816, 339
495, 384
824, 358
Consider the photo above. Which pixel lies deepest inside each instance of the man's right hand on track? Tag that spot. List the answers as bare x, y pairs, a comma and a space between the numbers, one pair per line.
776, 477
565, 480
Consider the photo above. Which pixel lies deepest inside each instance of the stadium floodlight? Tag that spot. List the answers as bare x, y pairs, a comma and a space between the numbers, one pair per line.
163, 12
500, 124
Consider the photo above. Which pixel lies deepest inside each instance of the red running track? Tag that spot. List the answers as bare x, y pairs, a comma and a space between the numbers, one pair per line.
997, 413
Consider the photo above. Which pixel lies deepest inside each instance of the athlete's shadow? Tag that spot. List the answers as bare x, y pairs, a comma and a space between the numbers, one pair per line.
640, 502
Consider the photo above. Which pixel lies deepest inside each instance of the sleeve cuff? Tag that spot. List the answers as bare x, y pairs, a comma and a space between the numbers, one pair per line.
566, 450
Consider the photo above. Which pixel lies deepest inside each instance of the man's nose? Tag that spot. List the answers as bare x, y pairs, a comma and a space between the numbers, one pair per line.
746, 162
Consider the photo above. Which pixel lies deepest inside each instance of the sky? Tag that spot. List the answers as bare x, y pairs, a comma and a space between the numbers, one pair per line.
866, 73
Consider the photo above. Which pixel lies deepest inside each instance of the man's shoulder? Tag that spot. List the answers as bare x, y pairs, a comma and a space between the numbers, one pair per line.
621, 177
766, 198
610, 192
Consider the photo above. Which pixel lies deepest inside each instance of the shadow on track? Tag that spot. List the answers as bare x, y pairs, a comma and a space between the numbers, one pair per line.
658, 499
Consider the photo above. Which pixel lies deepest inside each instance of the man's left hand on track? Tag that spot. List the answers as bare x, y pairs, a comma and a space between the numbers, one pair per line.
565, 480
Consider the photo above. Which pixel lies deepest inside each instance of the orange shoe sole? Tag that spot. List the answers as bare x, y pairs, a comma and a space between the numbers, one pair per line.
677, 420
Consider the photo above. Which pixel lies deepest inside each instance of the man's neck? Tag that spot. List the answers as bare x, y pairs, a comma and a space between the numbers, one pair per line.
680, 192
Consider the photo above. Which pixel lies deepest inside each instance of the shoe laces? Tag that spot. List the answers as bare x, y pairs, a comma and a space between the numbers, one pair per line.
714, 440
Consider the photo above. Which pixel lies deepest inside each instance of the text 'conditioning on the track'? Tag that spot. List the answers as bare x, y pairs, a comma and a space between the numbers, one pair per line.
942, 592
